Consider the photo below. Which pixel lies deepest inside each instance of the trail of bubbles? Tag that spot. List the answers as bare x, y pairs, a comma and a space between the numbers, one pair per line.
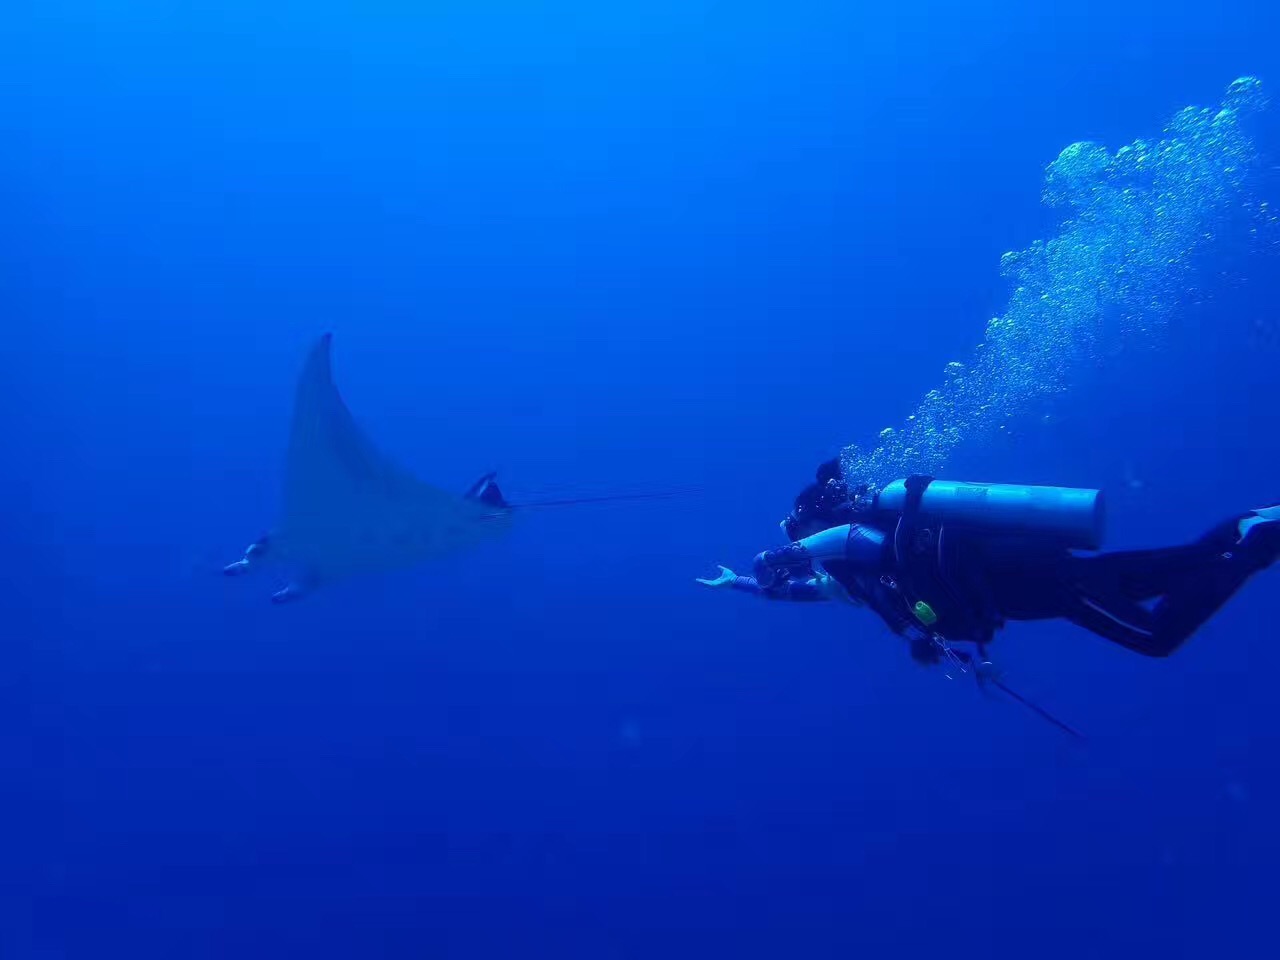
1135, 224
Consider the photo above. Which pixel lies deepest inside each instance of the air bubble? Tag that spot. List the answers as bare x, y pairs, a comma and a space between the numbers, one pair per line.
1124, 257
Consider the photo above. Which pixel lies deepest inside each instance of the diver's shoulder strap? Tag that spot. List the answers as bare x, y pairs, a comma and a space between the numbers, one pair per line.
927, 590
916, 485
905, 531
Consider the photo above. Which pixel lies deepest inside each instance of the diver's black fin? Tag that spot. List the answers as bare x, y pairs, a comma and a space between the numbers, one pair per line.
486, 491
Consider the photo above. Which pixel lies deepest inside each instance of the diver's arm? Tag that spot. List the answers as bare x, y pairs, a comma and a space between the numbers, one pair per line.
853, 543
785, 588
804, 591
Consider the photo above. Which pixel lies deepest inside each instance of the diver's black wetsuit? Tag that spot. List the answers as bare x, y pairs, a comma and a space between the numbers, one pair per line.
1149, 601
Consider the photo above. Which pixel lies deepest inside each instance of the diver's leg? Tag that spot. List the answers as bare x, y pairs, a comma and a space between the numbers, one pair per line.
1155, 632
252, 553
1138, 575
1191, 583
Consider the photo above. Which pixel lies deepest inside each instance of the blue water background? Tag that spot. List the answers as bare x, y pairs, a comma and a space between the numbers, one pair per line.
599, 248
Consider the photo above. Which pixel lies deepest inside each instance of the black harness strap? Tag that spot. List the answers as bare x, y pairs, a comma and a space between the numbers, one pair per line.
918, 552
906, 536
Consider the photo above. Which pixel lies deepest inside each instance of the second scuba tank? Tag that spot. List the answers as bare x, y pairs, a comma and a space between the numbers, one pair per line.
1075, 517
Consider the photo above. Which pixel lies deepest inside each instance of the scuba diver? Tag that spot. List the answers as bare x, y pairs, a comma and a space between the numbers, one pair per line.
946, 563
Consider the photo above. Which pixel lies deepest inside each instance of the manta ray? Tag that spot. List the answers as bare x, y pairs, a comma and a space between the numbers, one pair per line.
347, 509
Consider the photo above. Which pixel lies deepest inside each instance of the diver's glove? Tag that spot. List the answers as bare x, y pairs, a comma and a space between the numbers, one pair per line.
725, 579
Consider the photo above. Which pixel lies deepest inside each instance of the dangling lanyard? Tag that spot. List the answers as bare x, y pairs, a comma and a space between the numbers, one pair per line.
951, 659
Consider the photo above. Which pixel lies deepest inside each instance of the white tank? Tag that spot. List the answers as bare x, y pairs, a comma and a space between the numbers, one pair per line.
1072, 516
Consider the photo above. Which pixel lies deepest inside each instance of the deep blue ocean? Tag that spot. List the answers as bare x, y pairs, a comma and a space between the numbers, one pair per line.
602, 248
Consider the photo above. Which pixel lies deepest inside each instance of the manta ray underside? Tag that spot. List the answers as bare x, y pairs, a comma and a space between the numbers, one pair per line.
348, 510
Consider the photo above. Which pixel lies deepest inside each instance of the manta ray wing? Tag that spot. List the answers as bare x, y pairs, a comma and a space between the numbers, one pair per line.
348, 509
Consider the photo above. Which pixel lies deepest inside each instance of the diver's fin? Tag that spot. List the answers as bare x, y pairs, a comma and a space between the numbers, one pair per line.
1260, 535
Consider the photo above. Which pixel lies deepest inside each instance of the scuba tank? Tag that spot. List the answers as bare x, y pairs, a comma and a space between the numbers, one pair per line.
1074, 517
937, 525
